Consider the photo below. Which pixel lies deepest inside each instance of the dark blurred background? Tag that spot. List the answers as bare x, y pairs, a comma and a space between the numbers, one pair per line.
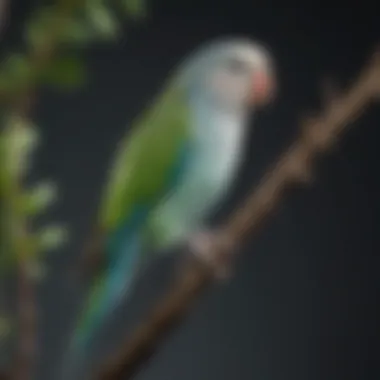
303, 303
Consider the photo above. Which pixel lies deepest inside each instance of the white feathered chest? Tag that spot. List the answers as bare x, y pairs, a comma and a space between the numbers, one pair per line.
218, 150
215, 157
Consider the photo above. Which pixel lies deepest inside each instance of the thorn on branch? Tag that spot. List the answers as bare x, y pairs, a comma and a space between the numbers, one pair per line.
299, 165
315, 136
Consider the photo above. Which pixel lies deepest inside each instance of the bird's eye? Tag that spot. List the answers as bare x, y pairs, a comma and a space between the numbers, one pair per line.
236, 66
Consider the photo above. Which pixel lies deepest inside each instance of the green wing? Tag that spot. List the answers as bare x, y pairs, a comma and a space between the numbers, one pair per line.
146, 158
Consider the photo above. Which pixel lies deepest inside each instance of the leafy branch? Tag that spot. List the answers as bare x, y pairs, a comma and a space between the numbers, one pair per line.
317, 136
18, 141
51, 34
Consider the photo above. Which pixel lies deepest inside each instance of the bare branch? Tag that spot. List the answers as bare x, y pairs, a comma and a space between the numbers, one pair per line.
317, 135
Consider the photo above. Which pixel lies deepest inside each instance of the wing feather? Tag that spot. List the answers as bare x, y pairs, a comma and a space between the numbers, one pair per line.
149, 160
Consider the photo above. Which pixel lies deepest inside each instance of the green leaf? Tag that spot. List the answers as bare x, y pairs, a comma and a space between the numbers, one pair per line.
5, 327
40, 197
67, 72
38, 31
15, 73
3, 169
38, 28
7, 256
77, 32
135, 8
52, 237
104, 22
37, 270
20, 139
6, 83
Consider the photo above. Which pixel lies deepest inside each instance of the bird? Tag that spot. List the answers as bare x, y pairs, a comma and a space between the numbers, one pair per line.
175, 167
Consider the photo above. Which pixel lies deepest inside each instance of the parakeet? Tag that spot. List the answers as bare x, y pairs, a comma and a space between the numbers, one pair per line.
176, 165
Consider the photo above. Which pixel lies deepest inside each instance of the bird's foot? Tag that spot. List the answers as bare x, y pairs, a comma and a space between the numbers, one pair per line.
216, 250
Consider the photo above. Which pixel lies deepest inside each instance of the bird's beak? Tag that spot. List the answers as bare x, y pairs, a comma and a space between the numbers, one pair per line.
263, 88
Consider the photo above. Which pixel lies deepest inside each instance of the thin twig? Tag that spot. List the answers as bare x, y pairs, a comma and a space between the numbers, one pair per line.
24, 359
24, 364
293, 167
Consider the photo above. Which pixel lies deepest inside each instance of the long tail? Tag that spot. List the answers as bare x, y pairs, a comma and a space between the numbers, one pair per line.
109, 289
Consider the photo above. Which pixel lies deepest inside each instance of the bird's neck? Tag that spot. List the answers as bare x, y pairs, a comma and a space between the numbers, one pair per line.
213, 120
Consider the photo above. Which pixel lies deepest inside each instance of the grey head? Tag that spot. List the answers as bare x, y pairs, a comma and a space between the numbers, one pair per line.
237, 73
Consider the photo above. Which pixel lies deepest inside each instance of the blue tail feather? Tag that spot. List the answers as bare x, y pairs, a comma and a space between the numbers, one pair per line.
124, 249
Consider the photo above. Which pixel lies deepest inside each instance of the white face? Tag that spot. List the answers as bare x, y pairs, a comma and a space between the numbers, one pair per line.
242, 77
236, 74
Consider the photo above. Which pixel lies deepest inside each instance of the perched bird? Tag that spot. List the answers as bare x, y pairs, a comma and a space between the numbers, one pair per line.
176, 165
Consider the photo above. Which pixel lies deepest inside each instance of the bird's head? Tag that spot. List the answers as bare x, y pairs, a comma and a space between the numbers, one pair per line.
235, 73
